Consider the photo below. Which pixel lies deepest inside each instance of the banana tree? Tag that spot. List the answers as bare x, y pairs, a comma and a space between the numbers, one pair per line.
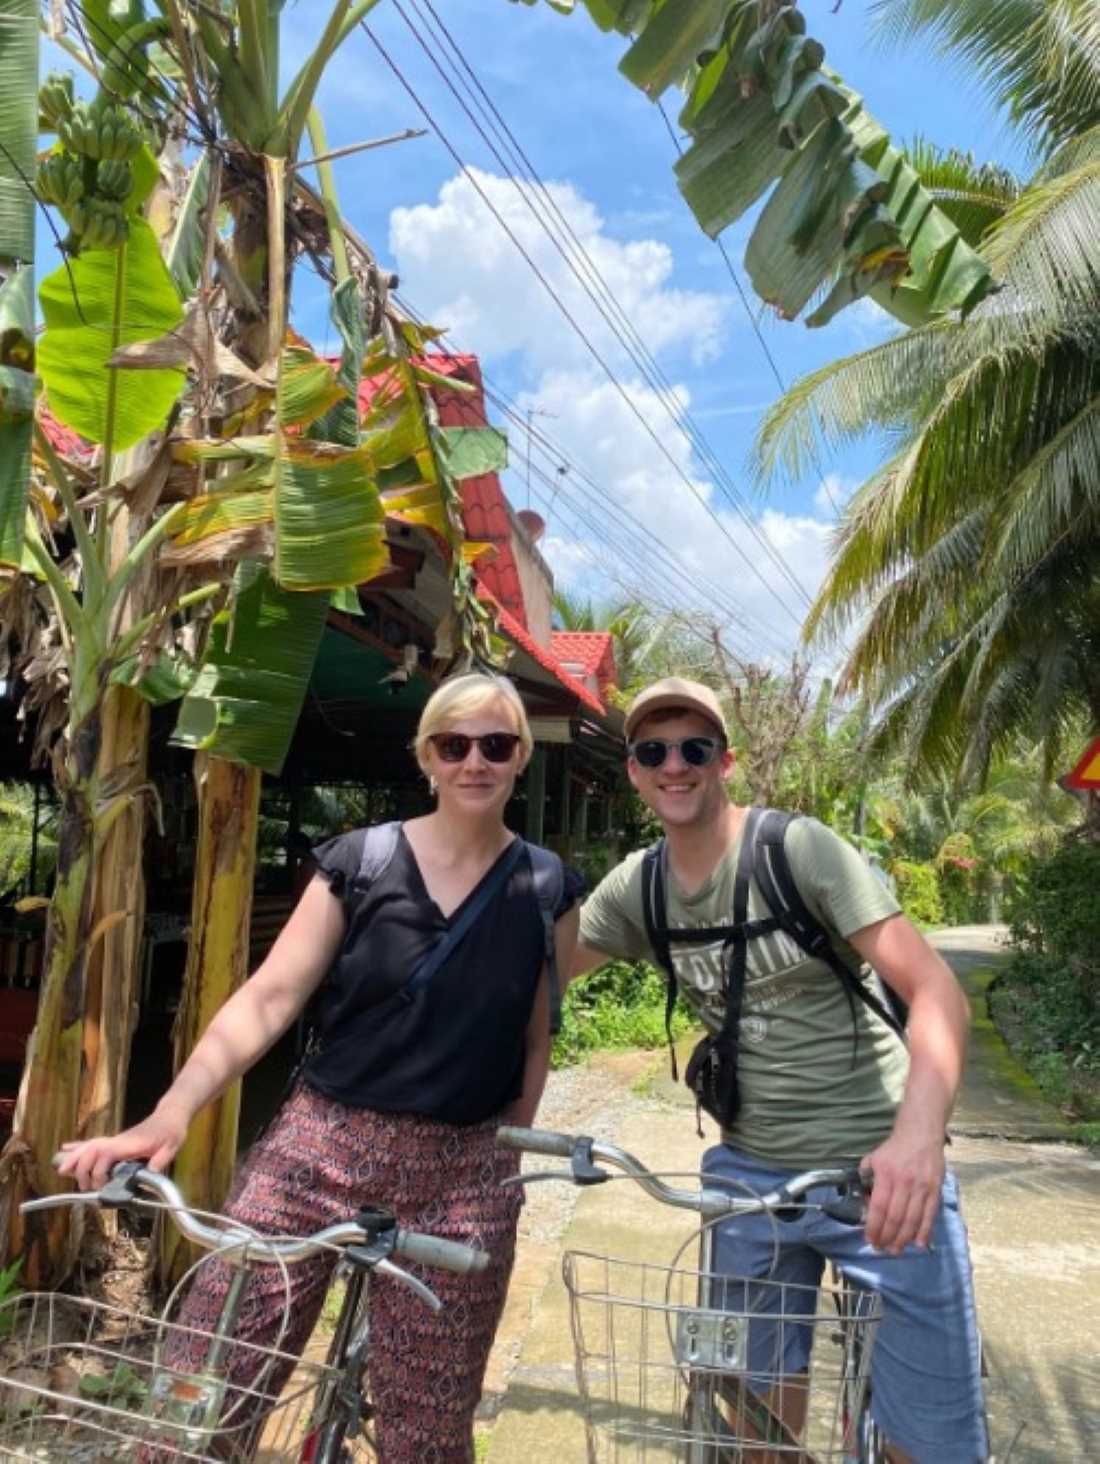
160, 329
846, 215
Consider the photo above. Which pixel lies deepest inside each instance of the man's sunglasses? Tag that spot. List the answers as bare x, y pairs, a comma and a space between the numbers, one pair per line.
697, 752
454, 747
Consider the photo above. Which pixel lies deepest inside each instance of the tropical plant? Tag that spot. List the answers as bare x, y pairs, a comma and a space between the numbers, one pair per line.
969, 560
18, 813
846, 214
232, 475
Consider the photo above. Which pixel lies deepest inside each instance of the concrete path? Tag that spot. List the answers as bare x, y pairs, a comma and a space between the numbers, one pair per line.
1032, 1204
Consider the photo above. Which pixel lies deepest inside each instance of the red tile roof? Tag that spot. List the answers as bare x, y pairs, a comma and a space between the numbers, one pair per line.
592, 650
522, 637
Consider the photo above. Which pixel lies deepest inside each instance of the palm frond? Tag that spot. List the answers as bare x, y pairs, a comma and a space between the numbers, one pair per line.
973, 195
1045, 247
1039, 59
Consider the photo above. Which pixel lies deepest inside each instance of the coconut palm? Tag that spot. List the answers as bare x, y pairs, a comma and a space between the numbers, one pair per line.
968, 563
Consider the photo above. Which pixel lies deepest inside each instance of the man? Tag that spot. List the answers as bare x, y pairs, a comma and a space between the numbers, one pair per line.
811, 1095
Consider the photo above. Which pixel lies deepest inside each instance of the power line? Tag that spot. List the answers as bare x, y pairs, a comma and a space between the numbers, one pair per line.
752, 318
593, 350
601, 296
639, 539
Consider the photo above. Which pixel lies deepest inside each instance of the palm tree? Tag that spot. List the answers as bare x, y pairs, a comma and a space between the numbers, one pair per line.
970, 561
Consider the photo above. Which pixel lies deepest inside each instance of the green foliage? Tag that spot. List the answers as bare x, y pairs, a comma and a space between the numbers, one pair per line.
16, 823
9, 1288
918, 891
621, 1004
1049, 998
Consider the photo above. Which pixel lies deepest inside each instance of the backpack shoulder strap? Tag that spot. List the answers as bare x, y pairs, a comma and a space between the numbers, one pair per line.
379, 847
655, 915
548, 882
776, 882
654, 906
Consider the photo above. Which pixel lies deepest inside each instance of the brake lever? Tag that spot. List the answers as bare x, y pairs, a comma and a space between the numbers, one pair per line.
425, 1293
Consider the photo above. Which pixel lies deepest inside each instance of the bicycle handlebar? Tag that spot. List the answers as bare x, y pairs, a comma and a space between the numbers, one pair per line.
706, 1201
229, 1239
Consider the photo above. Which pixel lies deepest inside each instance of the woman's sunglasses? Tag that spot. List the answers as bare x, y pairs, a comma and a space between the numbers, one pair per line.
697, 752
454, 747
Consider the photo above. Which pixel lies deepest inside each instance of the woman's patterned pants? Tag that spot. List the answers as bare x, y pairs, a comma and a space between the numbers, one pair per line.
319, 1162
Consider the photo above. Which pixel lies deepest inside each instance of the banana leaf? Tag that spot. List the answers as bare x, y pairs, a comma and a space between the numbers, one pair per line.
184, 252
246, 699
341, 422
329, 518
472, 451
17, 388
79, 305
18, 126
759, 97
165, 680
308, 387
673, 37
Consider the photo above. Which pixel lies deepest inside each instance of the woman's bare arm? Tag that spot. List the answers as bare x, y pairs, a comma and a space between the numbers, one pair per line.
250, 1022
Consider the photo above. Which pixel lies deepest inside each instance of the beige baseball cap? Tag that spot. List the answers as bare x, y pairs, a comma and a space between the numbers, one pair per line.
674, 691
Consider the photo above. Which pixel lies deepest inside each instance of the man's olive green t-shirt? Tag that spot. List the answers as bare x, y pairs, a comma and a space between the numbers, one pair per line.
804, 1100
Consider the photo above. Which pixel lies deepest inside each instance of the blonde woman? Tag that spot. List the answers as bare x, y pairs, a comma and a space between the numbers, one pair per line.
399, 1099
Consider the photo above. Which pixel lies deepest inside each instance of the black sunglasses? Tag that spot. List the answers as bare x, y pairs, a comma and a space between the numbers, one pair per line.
495, 747
697, 752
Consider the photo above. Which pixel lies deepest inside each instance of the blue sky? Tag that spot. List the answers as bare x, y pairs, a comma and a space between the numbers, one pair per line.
606, 154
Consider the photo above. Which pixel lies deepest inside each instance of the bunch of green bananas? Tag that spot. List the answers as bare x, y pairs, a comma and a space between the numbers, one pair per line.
113, 179
55, 100
104, 225
100, 132
60, 180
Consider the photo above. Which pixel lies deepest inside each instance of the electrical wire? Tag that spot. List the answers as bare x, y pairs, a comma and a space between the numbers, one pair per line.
593, 350
585, 261
752, 317
634, 540
600, 296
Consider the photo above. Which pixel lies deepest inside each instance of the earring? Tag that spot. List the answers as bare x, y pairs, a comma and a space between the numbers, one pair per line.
433, 785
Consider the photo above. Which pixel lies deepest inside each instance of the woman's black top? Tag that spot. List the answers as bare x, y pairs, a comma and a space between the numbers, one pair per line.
454, 1049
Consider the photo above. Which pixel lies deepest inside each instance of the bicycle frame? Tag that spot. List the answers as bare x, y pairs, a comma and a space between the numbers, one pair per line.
189, 1406
711, 1347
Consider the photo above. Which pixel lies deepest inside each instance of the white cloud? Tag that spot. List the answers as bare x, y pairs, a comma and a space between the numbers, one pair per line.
723, 559
459, 266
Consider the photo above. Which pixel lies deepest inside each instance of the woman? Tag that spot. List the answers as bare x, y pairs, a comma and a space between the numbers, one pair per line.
398, 1102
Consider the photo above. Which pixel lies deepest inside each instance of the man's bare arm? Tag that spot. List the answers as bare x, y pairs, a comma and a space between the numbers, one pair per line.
909, 1166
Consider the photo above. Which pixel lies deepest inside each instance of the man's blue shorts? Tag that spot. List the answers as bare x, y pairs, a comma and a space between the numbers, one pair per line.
926, 1389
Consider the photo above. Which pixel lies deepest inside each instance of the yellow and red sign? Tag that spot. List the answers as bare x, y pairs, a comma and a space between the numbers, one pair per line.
1086, 775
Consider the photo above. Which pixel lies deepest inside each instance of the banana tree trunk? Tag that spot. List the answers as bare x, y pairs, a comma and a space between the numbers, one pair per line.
47, 1107
111, 992
217, 963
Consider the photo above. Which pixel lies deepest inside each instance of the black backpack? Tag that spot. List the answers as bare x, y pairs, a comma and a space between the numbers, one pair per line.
712, 1069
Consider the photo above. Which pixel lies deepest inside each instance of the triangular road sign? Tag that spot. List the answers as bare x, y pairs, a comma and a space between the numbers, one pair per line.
1086, 775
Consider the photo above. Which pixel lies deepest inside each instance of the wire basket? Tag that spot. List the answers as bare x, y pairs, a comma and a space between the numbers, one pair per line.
677, 1365
84, 1382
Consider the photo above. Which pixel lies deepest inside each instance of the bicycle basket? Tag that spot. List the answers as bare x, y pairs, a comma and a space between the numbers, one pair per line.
678, 1365
86, 1382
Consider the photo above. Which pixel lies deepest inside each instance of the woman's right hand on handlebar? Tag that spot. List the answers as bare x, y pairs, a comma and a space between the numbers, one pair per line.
157, 1140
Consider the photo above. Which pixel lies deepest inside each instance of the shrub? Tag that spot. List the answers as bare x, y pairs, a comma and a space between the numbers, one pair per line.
621, 1004
918, 891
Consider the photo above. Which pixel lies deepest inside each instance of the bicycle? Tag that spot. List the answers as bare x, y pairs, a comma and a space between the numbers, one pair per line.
715, 1390
88, 1383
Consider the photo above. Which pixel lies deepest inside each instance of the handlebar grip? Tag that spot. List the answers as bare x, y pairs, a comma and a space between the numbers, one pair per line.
447, 1255
537, 1141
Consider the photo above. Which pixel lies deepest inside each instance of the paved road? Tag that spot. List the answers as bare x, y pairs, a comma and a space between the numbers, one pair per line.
1032, 1204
